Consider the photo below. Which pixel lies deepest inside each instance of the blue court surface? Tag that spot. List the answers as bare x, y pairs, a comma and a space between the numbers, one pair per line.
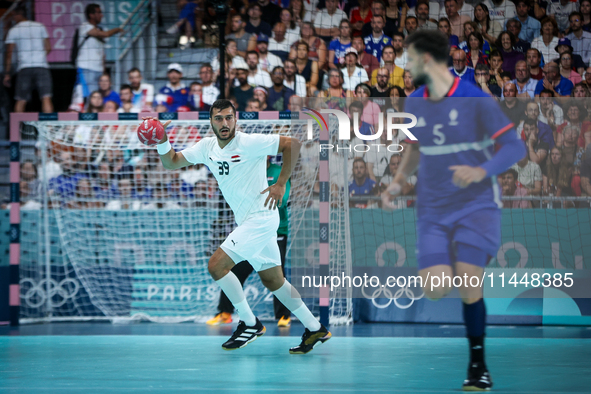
364, 358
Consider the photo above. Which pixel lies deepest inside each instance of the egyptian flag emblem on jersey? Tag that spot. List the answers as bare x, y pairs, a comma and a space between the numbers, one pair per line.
235, 159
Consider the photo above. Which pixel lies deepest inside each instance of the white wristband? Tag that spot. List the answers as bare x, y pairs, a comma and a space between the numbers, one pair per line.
164, 147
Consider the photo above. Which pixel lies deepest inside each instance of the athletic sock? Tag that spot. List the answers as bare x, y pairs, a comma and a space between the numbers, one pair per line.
231, 286
475, 320
293, 301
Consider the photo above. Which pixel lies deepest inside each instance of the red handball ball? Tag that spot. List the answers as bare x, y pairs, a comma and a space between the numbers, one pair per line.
150, 132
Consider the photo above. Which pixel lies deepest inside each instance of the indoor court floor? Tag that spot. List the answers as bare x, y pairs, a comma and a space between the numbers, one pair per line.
363, 358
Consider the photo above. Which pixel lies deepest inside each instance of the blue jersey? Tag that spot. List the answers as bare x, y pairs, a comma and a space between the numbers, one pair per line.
456, 131
180, 96
374, 47
339, 50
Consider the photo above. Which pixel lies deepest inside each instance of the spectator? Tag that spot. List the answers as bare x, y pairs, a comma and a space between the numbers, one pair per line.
300, 12
255, 25
489, 29
533, 60
537, 149
364, 128
267, 61
482, 78
501, 10
399, 50
279, 45
532, 111
460, 68
279, 94
126, 96
554, 82
307, 68
244, 91
575, 116
396, 12
175, 88
581, 90
573, 155
124, 199
91, 49
456, 21
292, 32
161, 199
327, 21
143, 93
338, 46
557, 175
565, 46
409, 85
422, 14
239, 35
585, 10
252, 105
51, 169
475, 54
95, 103
530, 27
560, 12
411, 25
529, 174
444, 26
514, 27
375, 42
185, 23
84, 196
371, 110
195, 94
296, 103
396, 93
360, 15
377, 159
141, 185
293, 80
256, 75
335, 85
362, 184
270, 12
472, 27
395, 73
585, 176
106, 91
64, 185
29, 177
550, 113
369, 62
513, 108
210, 91
548, 40
463, 9
505, 43
512, 188
408, 189
566, 68
391, 25
381, 87
261, 94
317, 51
110, 106
352, 73
32, 47
232, 58
526, 86
580, 39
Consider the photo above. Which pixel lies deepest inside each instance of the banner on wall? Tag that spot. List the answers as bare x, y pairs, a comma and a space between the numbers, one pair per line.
61, 18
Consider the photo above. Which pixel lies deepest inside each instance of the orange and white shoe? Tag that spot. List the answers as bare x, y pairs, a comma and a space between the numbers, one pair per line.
220, 318
284, 322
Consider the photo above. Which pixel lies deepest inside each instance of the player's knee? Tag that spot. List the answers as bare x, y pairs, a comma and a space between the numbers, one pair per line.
215, 268
436, 293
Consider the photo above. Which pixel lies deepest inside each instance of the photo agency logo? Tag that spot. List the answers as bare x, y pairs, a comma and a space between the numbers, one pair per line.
345, 129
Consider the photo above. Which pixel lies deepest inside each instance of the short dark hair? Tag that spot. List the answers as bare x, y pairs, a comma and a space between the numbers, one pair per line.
134, 70
356, 104
253, 53
530, 122
433, 42
505, 74
278, 67
125, 86
521, 1
495, 53
548, 91
194, 84
91, 9
396, 33
21, 10
482, 67
512, 172
575, 13
411, 17
220, 105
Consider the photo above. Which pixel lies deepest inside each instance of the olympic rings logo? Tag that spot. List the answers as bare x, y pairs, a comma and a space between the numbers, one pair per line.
403, 291
36, 294
248, 115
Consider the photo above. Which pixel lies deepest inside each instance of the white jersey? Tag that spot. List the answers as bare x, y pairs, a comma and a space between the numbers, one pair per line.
240, 169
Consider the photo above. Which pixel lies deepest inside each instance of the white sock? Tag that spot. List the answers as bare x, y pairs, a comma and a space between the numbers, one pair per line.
233, 289
292, 300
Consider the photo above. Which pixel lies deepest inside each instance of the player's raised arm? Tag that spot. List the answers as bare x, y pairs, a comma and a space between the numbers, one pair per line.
408, 165
171, 160
290, 148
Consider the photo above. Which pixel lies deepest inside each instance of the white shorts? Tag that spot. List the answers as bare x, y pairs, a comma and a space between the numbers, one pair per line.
255, 240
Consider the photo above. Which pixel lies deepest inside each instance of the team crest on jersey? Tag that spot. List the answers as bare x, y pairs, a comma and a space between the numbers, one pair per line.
385, 40
235, 159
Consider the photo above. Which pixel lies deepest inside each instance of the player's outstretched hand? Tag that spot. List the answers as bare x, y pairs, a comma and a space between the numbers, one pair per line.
275, 196
465, 175
393, 190
165, 125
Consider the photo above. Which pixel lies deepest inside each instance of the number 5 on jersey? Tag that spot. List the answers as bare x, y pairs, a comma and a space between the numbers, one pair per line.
224, 167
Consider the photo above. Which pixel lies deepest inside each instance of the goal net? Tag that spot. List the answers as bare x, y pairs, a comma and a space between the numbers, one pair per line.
108, 233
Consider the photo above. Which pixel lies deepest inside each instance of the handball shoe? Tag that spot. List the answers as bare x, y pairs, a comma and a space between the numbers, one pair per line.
478, 378
284, 322
220, 318
244, 335
310, 339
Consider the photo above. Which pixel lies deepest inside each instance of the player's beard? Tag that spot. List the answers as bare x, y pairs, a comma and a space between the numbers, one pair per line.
229, 136
421, 79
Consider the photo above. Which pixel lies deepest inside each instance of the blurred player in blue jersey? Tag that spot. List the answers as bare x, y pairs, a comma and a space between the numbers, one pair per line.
458, 203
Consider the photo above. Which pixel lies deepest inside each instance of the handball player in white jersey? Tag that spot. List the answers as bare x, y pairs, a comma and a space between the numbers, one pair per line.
239, 163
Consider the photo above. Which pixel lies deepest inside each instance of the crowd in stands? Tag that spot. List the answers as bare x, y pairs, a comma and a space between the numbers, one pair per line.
530, 55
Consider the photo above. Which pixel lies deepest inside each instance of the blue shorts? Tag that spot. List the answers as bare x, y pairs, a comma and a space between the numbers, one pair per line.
471, 237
